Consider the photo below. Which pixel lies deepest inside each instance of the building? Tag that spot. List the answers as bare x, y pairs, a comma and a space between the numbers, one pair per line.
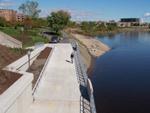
128, 22
8, 14
11, 15
112, 21
20, 17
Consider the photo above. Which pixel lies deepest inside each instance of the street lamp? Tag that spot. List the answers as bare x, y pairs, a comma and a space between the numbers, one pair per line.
29, 54
22, 33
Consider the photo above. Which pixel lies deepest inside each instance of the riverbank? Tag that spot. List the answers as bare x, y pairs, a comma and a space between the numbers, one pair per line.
90, 48
107, 32
88, 44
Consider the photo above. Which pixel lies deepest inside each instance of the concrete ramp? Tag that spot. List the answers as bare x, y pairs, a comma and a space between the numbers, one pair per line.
58, 90
9, 41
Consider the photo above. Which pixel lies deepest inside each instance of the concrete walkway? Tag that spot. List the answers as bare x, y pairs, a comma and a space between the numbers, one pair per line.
9, 41
58, 90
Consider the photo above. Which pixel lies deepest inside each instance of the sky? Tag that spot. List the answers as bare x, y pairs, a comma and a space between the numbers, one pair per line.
91, 9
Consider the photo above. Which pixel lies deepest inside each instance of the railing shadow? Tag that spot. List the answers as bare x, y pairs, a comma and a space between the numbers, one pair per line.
84, 100
84, 92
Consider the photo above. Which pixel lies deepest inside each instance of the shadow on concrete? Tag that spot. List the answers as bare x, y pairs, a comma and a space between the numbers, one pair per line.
69, 61
84, 92
84, 100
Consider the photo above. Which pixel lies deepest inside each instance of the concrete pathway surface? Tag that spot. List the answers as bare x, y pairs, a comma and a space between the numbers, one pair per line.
9, 41
58, 90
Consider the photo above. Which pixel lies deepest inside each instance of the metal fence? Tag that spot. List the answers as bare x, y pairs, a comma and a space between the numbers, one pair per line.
87, 99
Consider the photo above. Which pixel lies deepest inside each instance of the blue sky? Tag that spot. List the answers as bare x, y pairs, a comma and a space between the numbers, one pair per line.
93, 9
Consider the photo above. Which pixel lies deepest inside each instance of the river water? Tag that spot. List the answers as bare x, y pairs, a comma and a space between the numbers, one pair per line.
121, 77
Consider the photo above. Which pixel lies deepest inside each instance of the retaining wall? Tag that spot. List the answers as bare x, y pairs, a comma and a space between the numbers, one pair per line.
18, 97
8, 41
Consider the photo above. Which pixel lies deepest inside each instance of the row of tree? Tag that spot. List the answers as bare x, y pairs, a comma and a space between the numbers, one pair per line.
93, 28
56, 21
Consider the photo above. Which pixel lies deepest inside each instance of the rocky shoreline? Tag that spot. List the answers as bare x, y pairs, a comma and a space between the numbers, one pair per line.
90, 49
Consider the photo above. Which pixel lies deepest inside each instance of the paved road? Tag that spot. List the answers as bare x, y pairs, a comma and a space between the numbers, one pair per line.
58, 91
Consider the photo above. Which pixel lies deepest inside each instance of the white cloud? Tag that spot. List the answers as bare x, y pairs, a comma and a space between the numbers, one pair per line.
78, 15
147, 14
6, 3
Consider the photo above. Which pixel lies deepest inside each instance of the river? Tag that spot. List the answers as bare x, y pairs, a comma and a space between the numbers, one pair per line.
121, 77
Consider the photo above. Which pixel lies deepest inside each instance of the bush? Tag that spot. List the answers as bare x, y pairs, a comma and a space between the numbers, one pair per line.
2, 22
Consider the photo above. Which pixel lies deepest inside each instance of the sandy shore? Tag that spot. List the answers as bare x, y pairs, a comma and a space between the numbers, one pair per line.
90, 48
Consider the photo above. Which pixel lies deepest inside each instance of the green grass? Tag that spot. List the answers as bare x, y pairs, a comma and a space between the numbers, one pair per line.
32, 36
18, 51
35, 37
11, 31
34, 40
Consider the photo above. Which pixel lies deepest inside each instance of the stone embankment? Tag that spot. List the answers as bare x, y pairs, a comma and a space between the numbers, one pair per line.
94, 46
90, 48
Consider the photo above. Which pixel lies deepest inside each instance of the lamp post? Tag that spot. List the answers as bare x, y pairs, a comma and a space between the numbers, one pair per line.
29, 54
22, 33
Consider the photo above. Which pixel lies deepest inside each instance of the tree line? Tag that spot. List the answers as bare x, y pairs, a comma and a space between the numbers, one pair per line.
56, 21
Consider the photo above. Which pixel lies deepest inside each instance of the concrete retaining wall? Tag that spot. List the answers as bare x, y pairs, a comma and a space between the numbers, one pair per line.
18, 97
23, 63
8, 41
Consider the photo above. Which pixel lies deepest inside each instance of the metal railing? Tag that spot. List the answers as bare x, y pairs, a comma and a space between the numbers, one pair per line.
87, 97
28, 61
41, 74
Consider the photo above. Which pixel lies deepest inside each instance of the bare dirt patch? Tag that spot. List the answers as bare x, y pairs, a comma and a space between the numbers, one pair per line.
38, 64
7, 56
7, 79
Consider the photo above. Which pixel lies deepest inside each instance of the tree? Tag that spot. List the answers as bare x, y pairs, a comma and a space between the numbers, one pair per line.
89, 27
30, 8
57, 21
28, 23
39, 22
111, 26
2, 22
72, 24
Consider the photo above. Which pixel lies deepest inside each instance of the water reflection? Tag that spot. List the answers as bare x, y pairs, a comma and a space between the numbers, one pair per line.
121, 77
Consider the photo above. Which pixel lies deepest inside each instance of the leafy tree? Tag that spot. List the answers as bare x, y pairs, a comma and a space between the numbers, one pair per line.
28, 23
30, 8
101, 27
2, 22
57, 21
73, 24
111, 26
39, 22
92, 28
89, 27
